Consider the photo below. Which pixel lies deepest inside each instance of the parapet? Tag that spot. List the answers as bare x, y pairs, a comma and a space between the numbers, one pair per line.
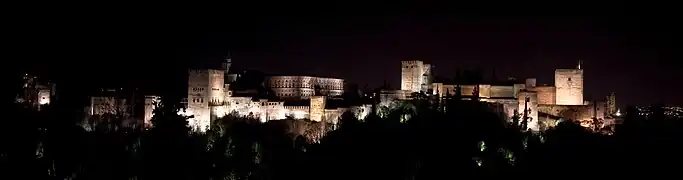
410, 62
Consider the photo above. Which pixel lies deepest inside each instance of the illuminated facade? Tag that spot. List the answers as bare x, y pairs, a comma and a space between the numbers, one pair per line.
122, 104
36, 93
546, 94
150, 103
317, 109
569, 87
304, 87
416, 76
611, 104
209, 97
546, 103
205, 93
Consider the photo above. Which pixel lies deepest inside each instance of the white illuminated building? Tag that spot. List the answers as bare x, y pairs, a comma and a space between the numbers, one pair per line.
209, 97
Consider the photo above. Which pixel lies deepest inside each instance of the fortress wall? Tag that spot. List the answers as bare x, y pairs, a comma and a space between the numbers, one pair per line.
484, 90
502, 91
569, 87
571, 112
546, 94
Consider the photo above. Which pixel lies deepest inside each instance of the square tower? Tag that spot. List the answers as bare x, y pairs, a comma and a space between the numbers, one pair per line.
415, 76
426, 77
205, 96
569, 87
317, 109
611, 106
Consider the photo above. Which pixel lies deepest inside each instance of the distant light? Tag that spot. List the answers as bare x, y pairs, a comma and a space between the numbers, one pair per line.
618, 113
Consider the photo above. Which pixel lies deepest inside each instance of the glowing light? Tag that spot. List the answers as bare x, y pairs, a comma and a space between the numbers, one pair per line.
618, 113
44, 101
482, 146
478, 161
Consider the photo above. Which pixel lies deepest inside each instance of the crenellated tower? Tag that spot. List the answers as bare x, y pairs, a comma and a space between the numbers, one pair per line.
569, 86
416, 76
205, 97
225, 65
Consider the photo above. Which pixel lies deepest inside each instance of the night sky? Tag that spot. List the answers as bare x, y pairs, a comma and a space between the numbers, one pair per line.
631, 56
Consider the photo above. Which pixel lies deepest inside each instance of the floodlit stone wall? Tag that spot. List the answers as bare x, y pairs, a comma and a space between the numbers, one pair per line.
412, 73
569, 87
305, 86
546, 94
502, 91
317, 108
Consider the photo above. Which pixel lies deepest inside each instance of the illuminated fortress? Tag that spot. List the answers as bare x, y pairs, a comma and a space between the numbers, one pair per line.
545, 105
210, 96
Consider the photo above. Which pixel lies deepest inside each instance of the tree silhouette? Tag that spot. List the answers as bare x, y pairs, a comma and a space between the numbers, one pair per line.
466, 140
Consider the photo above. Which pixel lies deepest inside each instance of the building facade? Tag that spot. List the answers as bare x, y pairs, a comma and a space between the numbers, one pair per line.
416, 76
210, 97
544, 104
36, 92
304, 87
569, 86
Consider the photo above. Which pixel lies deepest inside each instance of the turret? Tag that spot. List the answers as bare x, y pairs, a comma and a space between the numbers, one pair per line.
225, 65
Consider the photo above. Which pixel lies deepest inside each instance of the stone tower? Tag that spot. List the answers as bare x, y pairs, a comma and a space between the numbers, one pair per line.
569, 86
205, 97
415, 76
317, 108
225, 65
611, 104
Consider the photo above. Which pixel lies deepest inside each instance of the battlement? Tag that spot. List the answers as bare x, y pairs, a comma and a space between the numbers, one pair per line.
568, 70
411, 62
204, 72
297, 107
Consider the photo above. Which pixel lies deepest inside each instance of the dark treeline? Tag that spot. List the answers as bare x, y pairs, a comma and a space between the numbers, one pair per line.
416, 140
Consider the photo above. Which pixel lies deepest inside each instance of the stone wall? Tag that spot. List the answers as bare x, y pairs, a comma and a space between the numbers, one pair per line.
305, 86
437, 89
317, 109
216, 87
443, 89
484, 90
502, 91
101, 105
581, 113
412, 75
567, 112
387, 97
530, 83
517, 88
150, 102
546, 94
509, 105
426, 77
569, 86
198, 97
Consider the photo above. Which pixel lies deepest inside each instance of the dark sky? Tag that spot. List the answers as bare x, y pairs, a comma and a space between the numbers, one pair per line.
633, 56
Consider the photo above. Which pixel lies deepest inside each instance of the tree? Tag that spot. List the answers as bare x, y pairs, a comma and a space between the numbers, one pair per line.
167, 149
